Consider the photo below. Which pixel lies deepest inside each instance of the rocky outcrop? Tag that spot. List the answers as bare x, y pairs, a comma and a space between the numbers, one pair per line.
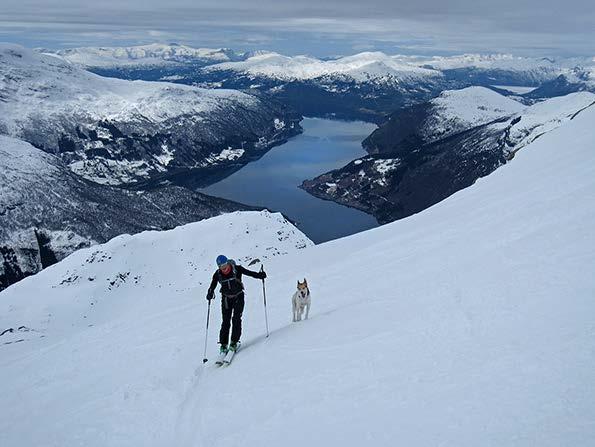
47, 211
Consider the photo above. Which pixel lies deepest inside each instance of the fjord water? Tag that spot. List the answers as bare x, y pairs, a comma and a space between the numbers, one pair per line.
273, 180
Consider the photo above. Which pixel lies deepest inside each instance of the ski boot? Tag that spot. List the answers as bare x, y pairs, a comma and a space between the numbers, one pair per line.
222, 353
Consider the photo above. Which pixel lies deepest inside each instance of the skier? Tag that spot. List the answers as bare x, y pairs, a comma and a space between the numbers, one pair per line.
229, 276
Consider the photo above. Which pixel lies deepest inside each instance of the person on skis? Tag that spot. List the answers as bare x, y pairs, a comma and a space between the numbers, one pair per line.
229, 276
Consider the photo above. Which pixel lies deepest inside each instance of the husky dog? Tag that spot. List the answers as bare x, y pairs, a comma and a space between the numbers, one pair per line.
301, 300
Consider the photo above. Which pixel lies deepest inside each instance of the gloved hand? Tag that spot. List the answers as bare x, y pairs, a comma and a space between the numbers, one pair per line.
210, 296
263, 274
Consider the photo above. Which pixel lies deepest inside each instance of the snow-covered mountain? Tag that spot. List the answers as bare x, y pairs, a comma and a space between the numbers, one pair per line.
154, 62
144, 55
487, 69
47, 212
368, 85
428, 151
363, 86
362, 67
372, 84
577, 79
365, 66
486, 61
113, 131
467, 324
457, 110
382, 68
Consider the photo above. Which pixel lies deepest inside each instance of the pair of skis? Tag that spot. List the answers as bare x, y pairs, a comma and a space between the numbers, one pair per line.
225, 359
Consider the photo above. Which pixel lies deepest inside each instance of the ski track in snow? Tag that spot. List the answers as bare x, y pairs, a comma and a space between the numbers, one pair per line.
186, 434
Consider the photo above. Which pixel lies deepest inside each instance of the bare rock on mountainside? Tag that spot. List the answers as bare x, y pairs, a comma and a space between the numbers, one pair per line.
47, 211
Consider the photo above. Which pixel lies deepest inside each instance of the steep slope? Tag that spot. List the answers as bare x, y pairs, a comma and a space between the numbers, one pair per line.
427, 152
113, 131
468, 324
47, 212
450, 113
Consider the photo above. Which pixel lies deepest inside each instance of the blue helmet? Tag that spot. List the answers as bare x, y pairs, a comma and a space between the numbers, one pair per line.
221, 259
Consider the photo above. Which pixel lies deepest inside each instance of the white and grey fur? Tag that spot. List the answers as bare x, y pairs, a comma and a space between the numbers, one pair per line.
301, 301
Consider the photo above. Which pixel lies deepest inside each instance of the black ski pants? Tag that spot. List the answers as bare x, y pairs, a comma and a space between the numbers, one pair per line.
231, 309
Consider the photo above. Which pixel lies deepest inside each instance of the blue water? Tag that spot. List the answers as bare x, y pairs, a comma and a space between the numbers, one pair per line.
273, 180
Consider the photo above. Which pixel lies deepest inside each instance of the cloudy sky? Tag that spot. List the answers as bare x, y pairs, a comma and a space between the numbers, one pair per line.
316, 27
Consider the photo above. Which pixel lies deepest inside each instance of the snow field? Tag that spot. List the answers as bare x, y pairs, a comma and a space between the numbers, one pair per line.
467, 324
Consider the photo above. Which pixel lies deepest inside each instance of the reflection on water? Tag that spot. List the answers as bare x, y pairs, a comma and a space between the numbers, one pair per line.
273, 180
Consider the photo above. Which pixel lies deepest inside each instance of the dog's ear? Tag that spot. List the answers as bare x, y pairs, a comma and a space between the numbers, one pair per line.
305, 282
299, 282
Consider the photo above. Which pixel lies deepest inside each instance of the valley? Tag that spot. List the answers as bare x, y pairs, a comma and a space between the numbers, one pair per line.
183, 120
273, 181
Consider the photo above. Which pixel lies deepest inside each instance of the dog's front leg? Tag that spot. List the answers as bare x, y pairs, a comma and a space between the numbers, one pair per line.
307, 310
293, 310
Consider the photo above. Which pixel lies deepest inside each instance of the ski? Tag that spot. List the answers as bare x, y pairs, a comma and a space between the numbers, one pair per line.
221, 358
230, 354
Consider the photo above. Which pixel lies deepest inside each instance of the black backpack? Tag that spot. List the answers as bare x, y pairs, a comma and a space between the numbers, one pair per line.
234, 277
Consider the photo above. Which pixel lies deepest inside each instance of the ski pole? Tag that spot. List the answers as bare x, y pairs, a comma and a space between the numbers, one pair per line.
205, 359
264, 296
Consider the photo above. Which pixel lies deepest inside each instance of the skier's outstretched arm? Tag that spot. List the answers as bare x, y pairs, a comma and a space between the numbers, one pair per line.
211, 292
258, 275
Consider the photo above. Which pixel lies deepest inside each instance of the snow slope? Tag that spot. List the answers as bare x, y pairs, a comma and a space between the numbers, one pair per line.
38, 85
542, 117
467, 324
457, 110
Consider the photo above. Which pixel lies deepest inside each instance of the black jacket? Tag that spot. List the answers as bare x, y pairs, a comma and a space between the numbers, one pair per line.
231, 284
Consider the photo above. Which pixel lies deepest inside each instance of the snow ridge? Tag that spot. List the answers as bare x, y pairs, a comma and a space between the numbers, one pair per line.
457, 110
543, 117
